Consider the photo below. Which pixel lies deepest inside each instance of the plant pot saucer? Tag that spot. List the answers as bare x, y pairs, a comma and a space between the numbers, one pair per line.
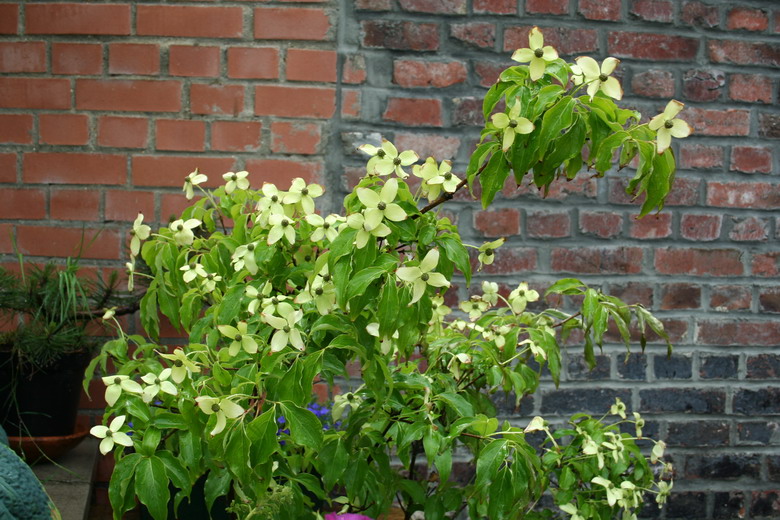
33, 449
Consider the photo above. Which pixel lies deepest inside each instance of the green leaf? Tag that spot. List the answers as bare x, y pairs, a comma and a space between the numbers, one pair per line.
175, 470
262, 435
566, 286
544, 97
230, 306
479, 157
457, 254
305, 428
427, 233
217, 485
568, 145
489, 460
237, 454
360, 281
525, 153
458, 403
492, 98
343, 245
659, 183
169, 303
121, 477
151, 486
555, 121
190, 449
191, 305
151, 440
493, 177
443, 463
333, 459
387, 312
606, 150
150, 320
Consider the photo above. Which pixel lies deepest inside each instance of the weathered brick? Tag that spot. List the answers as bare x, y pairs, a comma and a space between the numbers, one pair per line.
619, 260
632, 366
509, 260
128, 95
236, 136
282, 171
180, 135
18, 57
419, 73
769, 125
769, 299
467, 111
732, 122
311, 65
601, 224
699, 262
74, 204
216, 99
354, 69
566, 41
170, 170
700, 227
253, 62
650, 46
608, 10
765, 504
587, 400
63, 129
400, 35
680, 296
547, 6
434, 6
495, 6
755, 195
684, 193
653, 83
683, 400
16, 128
685, 504
730, 298
502, 222
700, 156
133, 58
548, 224
34, 93
746, 18
73, 168
76, 58
577, 368
757, 432
747, 333
477, 34
763, 366
414, 111
700, 14
650, 226
633, 292
295, 137
123, 132
742, 53
750, 229
722, 467
690, 434
428, 145
703, 85
752, 88
653, 10
718, 367
766, 264
672, 367
194, 61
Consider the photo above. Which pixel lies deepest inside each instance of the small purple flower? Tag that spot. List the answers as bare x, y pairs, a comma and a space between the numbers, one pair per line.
347, 516
281, 419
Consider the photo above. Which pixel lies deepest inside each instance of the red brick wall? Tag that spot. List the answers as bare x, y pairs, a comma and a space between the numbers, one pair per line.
105, 107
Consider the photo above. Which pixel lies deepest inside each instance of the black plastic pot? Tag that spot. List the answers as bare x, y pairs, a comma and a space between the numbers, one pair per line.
43, 402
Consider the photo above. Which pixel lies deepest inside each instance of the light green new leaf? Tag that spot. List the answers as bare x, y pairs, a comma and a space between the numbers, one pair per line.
566, 286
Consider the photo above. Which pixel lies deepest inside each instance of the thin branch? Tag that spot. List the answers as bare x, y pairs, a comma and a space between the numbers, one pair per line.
560, 323
444, 197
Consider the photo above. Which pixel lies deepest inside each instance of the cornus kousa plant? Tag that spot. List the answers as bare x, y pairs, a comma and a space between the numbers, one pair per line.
274, 297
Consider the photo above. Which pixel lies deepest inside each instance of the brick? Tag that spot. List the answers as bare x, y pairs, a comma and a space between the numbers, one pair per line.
509, 260
700, 156
124, 206
699, 262
73, 168
700, 227
77, 18
74, 204
467, 112
686, 504
577, 369
481, 35
764, 504
680, 296
273, 23
189, 21
434, 6
548, 224
756, 432
170, 170
9, 18
653, 83
236, 136
651, 226
582, 187
620, 260
718, 367
16, 57
732, 122
751, 88
722, 467
672, 367
632, 367
7, 169
501, 222
40, 93
373, 5
122, 132
128, 95
566, 41
766, 264
284, 101
769, 126
683, 400
699, 14
749, 229
194, 61
684, 193
761, 401
62, 242
419, 73
697, 434
65, 129
296, 137
282, 171
651, 46
633, 292
608, 10
76, 58
763, 366
743, 53
253, 63
217, 99
730, 298
414, 111
488, 73
16, 128
350, 104
703, 85
22, 204
400, 35
495, 6
354, 69
653, 10
747, 19
428, 145
133, 58
180, 135
547, 6
746, 333
754, 195
586, 400
769, 299
311, 65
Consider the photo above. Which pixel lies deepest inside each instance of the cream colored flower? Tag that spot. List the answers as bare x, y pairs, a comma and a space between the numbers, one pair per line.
667, 126
111, 435
281, 226
537, 54
193, 179
303, 194
192, 271
139, 233
236, 180
241, 338
422, 276
487, 252
511, 125
381, 205
182, 366
391, 161
157, 383
521, 296
116, 384
224, 409
587, 70
358, 221
182, 231
286, 332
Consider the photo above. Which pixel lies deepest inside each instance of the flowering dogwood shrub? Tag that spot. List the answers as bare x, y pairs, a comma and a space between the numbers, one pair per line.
275, 297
